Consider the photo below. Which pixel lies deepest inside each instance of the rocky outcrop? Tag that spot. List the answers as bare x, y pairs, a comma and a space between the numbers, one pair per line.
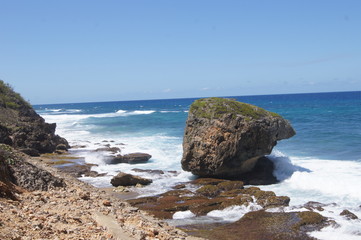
15, 170
22, 128
125, 179
225, 138
211, 194
131, 158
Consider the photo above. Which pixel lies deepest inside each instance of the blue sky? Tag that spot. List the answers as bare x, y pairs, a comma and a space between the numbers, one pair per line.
86, 50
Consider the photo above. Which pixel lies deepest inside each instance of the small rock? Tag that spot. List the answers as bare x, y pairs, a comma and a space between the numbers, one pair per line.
349, 215
107, 203
124, 179
131, 158
85, 196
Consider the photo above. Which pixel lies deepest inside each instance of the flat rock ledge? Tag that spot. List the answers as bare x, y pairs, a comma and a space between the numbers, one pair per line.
224, 138
77, 211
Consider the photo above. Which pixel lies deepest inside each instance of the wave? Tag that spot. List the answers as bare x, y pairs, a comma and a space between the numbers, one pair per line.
60, 111
65, 116
166, 111
284, 168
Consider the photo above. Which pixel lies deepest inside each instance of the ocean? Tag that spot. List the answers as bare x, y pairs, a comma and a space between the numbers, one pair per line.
321, 163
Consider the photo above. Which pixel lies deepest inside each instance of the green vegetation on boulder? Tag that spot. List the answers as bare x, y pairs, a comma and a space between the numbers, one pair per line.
215, 107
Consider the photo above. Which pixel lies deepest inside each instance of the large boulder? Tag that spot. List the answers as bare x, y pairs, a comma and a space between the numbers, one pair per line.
225, 138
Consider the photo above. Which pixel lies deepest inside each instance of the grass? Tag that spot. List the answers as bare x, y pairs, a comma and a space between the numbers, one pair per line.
216, 107
9, 98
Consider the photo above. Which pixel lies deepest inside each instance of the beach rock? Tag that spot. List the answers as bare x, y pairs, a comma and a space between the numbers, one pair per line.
159, 172
213, 194
225, 138
62, 147
79, 170
132, 158
108, 149
125, 179
268, 225
348, 214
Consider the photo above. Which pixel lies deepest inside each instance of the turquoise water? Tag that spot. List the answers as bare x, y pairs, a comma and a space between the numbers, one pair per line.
321, 163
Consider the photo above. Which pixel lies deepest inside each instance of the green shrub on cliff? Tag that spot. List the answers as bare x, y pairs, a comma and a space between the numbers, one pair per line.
9, 98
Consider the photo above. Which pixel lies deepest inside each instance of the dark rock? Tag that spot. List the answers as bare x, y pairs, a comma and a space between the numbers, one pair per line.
261, 174
108, 149
225, 138
30, 151
131, 158
62, 147
5, 135
349, 215
268, 225
179, 186
124, 179
79, 170
160, 172
314, 206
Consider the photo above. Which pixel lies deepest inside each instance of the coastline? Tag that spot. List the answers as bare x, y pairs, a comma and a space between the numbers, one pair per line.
78, 211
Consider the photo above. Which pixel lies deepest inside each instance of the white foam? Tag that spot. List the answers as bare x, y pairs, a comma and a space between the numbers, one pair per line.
170, 111
183, 214
234, 213
284, 168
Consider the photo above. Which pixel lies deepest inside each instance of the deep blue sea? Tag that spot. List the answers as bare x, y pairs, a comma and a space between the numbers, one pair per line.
321, 163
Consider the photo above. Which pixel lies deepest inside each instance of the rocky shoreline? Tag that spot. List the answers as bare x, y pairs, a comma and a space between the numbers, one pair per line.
76, 210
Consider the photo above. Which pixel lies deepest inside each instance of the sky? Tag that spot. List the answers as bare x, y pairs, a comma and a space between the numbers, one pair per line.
112, 50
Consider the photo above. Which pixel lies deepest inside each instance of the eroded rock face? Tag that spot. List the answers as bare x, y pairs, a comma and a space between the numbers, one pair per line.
22, 128
225, 138
16, 170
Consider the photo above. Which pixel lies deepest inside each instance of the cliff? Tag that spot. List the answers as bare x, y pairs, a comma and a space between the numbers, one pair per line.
22, 128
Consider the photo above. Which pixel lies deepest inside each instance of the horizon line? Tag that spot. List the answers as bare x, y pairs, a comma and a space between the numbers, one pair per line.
179, 98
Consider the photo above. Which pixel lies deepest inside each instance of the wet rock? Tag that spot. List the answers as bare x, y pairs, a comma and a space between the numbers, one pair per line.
311, 205
30, 151
160, 172
62, 147
225, 138
179, 186
214, 194
349, 215
125, 179
108, 149
79, 170
268, 225
132, 158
